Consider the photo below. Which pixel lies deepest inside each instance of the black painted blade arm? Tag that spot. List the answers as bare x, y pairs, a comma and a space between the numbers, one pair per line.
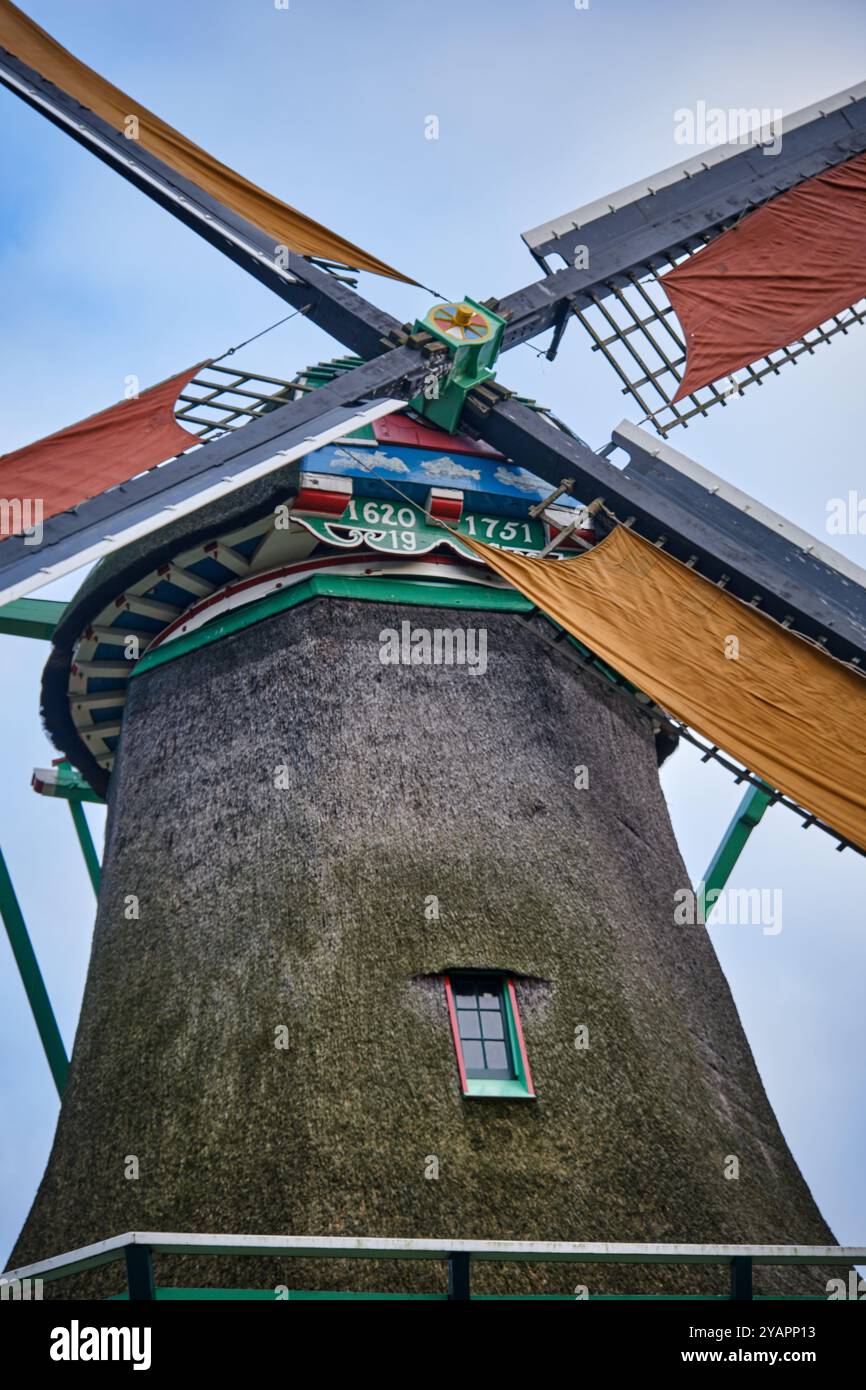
232, 463
327, 301
747, 572
676, 210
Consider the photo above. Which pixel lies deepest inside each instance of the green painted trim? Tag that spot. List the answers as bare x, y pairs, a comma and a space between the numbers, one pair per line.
31, 979
373, 588
733, 842
316, 1296
471, 364
268, 1296
642, 1298
513, 1088
509, 1090
85, 839
525, 1092
599, 665
381, 527
435, 594
71, 786
31, 617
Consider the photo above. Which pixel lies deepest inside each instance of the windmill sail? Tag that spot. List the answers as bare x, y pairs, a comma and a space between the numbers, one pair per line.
84, 459
766, 282
153, 499
287, 227
783, 210
791, 713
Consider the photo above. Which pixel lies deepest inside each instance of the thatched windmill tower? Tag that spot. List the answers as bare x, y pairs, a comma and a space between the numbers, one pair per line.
314, 854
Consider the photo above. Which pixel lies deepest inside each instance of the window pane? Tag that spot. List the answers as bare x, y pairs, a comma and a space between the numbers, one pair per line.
468, 1023
464, 999
491, 1026
473, 1058
490, 1001
497, 1057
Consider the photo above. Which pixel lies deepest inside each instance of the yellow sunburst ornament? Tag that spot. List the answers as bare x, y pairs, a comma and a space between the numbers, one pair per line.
461, 323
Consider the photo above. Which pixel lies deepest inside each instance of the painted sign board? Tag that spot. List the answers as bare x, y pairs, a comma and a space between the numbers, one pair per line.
491, 484
400, 528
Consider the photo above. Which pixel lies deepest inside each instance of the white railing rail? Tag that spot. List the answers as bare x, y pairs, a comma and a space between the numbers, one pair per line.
137, 1248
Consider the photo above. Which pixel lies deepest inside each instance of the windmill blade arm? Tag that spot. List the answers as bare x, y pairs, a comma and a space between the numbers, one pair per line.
328, 302
749, 574
838, 579
676, 210
231, 463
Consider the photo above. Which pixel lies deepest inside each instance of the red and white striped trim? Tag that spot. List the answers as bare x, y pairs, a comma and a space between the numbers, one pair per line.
445, 503
369, 563
322, 494
44, 781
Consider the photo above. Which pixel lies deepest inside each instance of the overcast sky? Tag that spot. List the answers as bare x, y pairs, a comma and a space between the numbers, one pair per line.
541, 107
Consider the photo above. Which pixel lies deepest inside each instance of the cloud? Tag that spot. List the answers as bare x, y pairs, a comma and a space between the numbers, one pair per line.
519, 478
369, 461
445, 467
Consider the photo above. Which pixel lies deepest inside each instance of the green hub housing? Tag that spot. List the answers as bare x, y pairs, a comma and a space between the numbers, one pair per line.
474, 347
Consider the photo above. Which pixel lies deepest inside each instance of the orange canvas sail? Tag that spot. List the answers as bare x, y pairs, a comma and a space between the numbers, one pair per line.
767, 281
84, 459
288, 227
791, 713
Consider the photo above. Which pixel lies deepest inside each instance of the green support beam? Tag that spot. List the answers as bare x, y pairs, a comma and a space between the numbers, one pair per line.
472, 334
31, 978
65, 782
31, 617
732, 844
85, 839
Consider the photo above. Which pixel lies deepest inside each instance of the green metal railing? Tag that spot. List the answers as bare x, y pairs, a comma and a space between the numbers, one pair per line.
137, 1250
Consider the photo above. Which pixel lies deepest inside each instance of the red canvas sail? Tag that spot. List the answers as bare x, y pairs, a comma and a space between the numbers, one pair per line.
83, 460
765, 282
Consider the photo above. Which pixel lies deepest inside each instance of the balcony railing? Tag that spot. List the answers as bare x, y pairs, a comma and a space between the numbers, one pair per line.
137, 1250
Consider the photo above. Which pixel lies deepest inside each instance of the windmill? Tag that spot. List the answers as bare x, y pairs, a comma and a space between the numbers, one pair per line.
310, 1000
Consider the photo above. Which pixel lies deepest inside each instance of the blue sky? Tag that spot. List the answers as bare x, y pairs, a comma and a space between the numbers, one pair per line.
541, 107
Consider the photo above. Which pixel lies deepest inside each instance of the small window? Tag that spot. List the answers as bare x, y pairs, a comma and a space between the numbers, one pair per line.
491, 1056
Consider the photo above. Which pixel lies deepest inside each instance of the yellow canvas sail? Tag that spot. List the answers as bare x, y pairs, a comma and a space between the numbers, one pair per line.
288, 227
789, 711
